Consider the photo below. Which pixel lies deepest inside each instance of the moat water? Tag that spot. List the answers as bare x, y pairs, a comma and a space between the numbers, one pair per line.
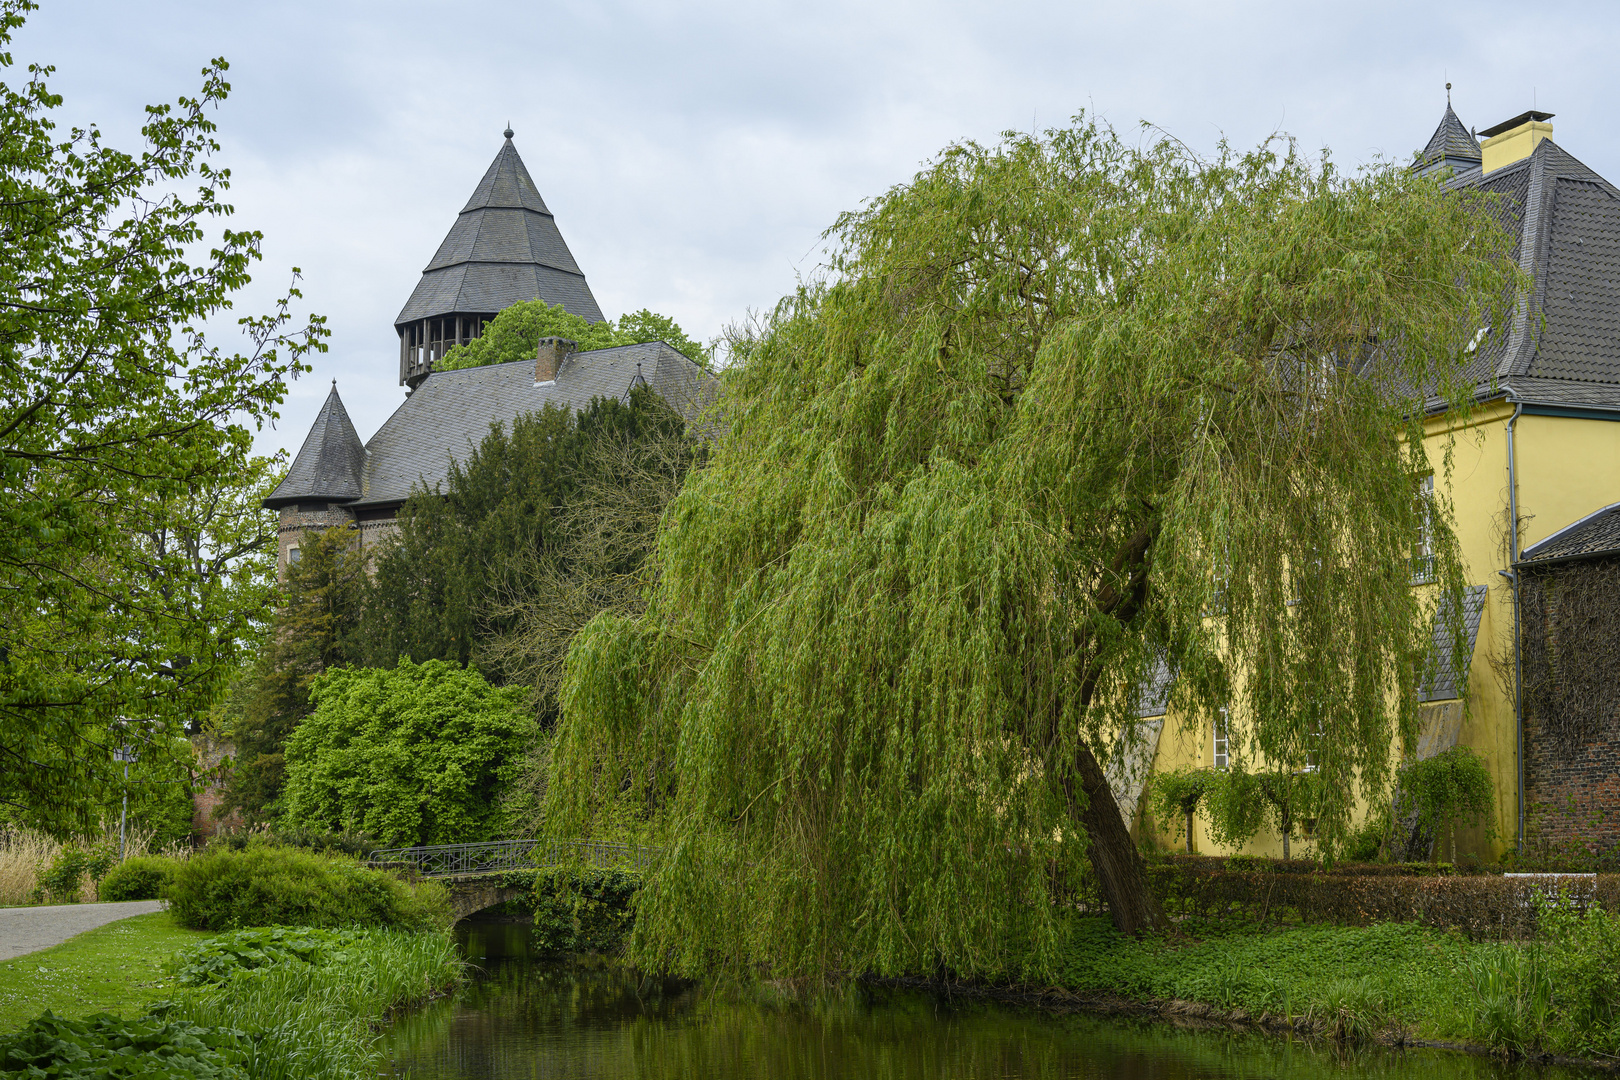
527, 1016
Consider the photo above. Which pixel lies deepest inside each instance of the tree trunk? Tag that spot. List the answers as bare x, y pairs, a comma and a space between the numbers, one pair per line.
1189, 832
1120, 872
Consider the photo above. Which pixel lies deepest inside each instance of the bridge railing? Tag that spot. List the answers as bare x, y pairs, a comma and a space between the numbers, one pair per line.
443, 860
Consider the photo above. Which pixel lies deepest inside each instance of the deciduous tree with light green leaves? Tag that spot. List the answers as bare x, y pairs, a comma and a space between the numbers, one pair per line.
516, 332
417, 754
117, 415
976, 485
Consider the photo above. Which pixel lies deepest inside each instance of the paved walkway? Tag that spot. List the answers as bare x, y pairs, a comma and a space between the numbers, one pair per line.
28, 929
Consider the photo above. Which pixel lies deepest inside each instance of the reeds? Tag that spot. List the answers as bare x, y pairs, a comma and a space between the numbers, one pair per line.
318, 1023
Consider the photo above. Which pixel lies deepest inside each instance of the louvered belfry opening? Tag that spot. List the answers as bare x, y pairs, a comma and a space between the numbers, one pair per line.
424, 342
504, 248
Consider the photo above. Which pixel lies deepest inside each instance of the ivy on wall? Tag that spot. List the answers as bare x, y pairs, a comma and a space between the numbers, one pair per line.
1570, 650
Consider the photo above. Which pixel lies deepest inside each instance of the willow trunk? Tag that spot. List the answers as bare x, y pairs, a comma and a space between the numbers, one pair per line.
1121, 874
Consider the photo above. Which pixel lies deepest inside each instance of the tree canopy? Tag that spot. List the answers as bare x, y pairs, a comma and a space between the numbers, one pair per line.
539, 529
1061, 410
516, 331
415, 754
117, 413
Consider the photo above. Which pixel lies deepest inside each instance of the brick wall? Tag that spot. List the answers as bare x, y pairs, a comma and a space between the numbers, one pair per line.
1571, 726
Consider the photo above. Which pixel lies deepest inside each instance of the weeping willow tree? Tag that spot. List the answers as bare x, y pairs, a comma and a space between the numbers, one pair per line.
1062, 411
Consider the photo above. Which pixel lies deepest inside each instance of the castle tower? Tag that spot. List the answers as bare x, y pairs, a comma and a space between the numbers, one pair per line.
503, 248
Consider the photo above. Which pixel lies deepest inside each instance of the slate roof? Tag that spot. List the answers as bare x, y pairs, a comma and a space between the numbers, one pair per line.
1566, 221
1154, 693
1448, 674
329, 465
1595, 534
451, 412
503, 248
1451, 146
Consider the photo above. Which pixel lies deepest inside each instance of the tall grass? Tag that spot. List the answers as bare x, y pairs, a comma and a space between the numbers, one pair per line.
23, 853
318, 1022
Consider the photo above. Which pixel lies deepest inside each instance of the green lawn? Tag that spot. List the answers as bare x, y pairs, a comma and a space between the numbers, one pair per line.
116, 968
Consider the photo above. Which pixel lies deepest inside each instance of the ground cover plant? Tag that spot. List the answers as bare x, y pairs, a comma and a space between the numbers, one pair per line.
261, 885
220, 959
106, 1046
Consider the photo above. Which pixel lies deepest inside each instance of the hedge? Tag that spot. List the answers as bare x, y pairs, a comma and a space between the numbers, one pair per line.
1478, 905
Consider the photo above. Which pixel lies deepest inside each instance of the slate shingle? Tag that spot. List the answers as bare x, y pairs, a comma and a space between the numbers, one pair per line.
329, 465
451, 412
1448, 675
1595, 534
503, 248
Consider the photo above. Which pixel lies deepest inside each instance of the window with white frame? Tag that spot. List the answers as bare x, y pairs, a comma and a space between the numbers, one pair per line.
1313, 746
294, 555
1219, 751
1423, 544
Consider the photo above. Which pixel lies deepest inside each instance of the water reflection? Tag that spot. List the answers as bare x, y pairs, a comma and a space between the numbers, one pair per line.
531, 1016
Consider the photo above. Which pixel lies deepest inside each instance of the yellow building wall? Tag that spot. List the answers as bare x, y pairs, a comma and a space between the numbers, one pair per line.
1566, 468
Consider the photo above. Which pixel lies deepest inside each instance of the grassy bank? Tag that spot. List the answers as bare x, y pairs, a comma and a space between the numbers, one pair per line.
117, 968
306, 1007
1559, 994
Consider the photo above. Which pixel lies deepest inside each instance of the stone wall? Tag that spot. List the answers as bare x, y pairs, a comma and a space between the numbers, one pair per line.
298, 518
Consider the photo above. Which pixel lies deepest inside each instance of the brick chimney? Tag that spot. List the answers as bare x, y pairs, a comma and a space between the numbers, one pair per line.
549, 360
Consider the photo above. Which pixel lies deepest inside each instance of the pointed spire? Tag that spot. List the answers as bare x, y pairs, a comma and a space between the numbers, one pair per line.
329, 465
503, 248
1450, 147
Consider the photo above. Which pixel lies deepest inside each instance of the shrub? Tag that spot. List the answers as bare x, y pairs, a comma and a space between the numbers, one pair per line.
1176, 795
63, 880
1453, 785
355, 845
141, 878
1481, 906
268, 886
105, 1046
587, 910
417, 754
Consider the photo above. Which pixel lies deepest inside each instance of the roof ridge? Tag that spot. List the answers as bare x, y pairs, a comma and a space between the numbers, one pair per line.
1529, 552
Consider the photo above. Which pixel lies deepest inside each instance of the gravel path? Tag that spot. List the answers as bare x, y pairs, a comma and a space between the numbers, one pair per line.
29, 929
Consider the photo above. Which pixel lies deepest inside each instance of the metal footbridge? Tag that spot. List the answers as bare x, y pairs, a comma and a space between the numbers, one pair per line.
462, 860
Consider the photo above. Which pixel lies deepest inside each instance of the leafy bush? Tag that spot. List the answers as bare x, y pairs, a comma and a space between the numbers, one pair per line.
355, 845
586, 910
218, 960
1453, 785
224, 889
1481, 906
62, 880
141, 878
413, 755
1176, 795
104, 1047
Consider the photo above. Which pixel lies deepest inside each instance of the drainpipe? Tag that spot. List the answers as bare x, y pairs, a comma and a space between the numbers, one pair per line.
1512, 574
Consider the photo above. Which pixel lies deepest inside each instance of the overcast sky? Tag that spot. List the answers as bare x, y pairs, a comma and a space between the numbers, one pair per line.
693, 153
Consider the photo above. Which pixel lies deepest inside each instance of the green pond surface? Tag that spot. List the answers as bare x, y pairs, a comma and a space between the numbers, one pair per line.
533, 1016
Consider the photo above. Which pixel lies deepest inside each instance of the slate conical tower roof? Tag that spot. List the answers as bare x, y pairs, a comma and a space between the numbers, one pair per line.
503, 248
1451, 146
329, 465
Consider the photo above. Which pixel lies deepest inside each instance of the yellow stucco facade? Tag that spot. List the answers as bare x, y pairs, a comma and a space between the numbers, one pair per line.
1566, 467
